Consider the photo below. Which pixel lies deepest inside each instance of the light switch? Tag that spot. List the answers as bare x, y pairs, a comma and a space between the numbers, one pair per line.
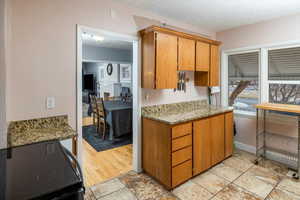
50, 102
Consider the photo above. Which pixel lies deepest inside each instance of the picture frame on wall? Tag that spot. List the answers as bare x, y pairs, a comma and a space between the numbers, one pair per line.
125, 72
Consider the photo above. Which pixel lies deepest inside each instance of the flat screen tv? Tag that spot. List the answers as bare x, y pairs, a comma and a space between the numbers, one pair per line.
88, 82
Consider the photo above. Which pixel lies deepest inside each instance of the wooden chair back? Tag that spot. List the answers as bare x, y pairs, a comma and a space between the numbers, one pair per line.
101, 109
94, 103
106, 96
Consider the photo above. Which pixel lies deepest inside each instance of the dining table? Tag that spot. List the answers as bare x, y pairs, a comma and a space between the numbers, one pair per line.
118, 117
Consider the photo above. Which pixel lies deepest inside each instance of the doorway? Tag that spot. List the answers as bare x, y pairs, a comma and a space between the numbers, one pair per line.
108, 84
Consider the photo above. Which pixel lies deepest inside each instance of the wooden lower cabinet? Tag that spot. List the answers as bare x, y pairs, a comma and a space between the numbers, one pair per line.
173, 154
201, 145
228, 134
217, 133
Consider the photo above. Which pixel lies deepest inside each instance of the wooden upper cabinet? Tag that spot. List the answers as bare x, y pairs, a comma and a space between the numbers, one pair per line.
165, 51
214, 66
159, 59
186, 54
166, 61
148, 60
202, 56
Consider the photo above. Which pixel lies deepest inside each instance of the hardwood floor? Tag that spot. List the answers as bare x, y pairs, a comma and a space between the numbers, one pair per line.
86, 121
104, 165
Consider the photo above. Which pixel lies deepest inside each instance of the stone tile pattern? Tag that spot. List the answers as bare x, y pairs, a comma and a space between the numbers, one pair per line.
39, 130
237, 178
182, 112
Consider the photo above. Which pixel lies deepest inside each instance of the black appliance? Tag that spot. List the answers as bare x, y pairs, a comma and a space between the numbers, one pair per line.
43, 170
88, 82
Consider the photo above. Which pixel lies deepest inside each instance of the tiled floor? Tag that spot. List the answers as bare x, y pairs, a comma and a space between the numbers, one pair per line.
237, 178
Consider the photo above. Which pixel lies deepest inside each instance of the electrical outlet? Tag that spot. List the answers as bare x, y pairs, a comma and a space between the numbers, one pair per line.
215, 90
50, 102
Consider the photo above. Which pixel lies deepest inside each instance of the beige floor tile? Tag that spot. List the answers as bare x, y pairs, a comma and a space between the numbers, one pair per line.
89, 195
290, 185
275, 166
191, 191
254, 184
266, 174
233, 192
210, 182
239, 164
107, 187
282, 195
145, 188
123, 194
226, 172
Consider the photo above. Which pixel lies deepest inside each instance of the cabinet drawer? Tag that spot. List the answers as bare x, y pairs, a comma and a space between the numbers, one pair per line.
181, 156
181, 173
181, 142
181, 130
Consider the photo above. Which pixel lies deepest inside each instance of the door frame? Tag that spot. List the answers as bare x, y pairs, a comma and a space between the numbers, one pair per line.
136, 91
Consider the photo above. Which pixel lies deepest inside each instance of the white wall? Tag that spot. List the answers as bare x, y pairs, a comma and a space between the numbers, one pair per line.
154, 97
274, 31
2, 74
43, 45
107, 54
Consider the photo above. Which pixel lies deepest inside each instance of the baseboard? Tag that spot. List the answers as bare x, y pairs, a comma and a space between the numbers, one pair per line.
245, 147
278, 157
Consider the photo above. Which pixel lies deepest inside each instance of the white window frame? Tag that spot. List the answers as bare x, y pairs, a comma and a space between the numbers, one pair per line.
263, 75
224, 79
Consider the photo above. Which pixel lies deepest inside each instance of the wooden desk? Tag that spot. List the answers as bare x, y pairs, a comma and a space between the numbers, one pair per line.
283, 109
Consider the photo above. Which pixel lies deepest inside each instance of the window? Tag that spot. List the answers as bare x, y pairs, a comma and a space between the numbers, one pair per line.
284, 75
243, 87
284, 93
262, 75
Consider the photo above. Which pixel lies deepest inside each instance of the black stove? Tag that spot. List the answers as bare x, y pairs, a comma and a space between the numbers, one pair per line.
44, 170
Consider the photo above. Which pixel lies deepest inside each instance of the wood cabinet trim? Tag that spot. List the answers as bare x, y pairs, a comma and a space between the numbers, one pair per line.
178, 33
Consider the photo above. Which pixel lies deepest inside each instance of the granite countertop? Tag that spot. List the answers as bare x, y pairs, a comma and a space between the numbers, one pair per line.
182, 112
39, 130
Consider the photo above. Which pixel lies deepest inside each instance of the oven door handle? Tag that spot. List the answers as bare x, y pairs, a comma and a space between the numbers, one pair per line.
78, 168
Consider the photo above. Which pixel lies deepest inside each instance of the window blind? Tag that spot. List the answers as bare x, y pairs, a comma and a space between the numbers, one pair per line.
284, 64
243, 66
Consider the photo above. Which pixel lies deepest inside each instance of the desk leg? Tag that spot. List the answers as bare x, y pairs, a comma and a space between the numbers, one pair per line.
298, 162
264, 147
257, 138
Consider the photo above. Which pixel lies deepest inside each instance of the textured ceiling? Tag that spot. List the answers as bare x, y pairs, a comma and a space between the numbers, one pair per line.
218, 15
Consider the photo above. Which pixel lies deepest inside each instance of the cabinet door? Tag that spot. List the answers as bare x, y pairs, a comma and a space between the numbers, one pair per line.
214, 65
202, 56
148, 60
218, 138
166, 61
186, 54
201, 146
228, 134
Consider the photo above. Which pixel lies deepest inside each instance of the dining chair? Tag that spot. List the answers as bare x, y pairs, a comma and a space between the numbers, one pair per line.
106, 96
93, 101
102, 117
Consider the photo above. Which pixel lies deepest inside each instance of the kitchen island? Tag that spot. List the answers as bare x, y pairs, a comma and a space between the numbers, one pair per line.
185, 139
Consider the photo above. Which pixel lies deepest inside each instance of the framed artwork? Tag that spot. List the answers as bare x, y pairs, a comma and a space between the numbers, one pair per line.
125, 72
